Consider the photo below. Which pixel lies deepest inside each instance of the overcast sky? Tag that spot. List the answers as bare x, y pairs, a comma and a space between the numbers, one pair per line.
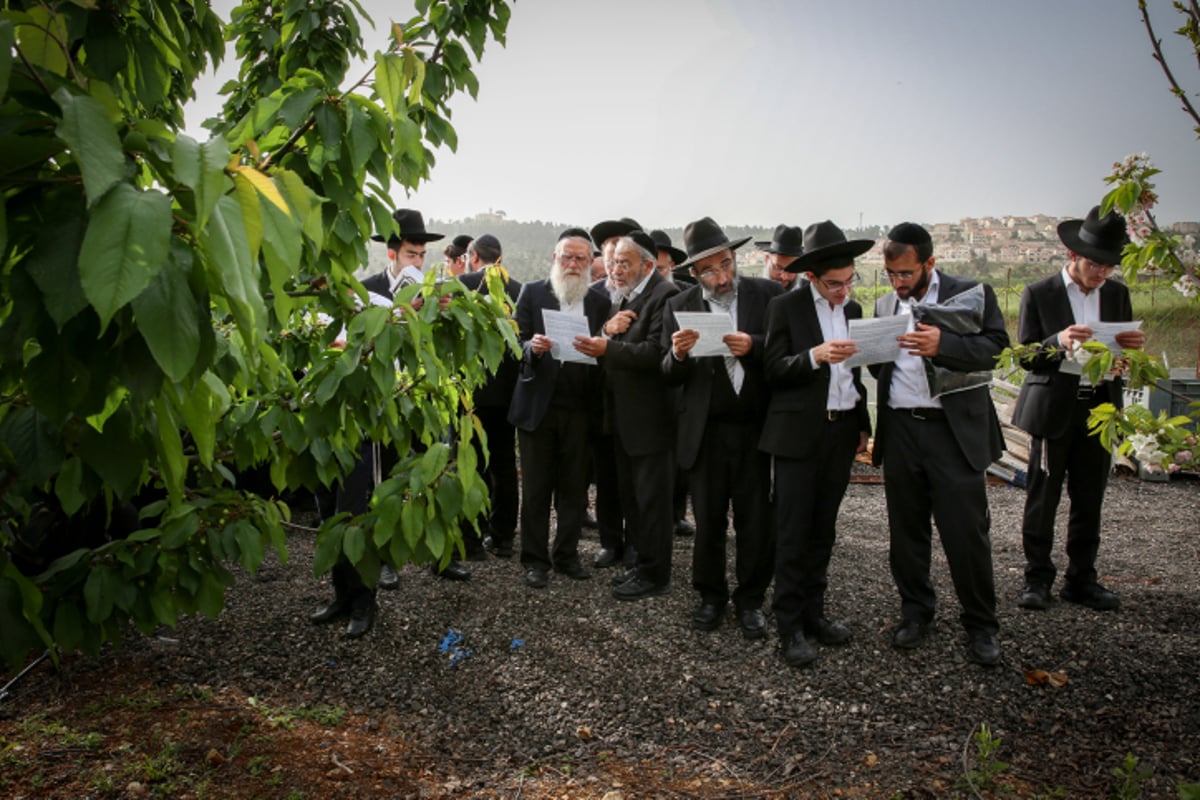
757, 112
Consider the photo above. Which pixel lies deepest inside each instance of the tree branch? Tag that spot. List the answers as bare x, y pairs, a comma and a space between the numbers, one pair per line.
1176, 89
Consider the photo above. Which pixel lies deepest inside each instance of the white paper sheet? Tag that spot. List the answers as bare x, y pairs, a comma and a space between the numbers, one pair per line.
876, 339
712, 327
561, 330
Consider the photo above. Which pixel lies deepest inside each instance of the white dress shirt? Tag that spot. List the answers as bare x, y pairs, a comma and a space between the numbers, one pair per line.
842, 394
910, 387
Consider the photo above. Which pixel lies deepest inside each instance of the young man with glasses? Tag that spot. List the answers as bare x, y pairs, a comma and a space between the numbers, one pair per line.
1055, 403
816, 422
722, 399
936, 448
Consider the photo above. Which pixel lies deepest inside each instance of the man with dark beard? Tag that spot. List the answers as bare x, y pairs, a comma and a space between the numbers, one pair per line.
552, 405
722, 403
638, 411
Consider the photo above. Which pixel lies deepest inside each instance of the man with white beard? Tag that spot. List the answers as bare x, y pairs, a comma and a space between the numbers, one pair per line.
552, 405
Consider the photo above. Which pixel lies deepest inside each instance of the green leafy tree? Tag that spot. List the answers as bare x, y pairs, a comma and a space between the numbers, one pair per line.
173, 311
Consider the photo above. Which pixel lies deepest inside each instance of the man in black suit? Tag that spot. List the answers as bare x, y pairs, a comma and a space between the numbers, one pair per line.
1054, 406
553, 405
816, 423
639, 411
491, 401
721, 401
936, 448
786, 245
406, 254
615, 549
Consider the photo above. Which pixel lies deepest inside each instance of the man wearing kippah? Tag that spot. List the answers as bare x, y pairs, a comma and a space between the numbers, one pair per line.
935, 447
553, 405
1055, 403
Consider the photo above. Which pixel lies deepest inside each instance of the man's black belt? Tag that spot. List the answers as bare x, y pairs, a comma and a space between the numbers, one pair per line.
834, 414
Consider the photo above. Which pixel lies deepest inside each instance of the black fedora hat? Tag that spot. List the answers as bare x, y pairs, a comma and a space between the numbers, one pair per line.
788, 240
1096, 238
603, 231
704, 237
411, 227
826, 246
664, 243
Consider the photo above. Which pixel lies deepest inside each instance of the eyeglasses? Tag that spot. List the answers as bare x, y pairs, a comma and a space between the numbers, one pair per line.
903, 276
566, 258
724, 268
1094, 267
623, 265
837, 286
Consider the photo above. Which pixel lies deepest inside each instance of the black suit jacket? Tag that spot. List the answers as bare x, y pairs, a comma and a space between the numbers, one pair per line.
379, 284
800, 393
1044, 406
497, 392
638, 404
537, 374
970, 414
694, 376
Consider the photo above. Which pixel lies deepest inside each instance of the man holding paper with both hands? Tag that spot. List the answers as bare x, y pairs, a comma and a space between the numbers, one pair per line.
1062, 312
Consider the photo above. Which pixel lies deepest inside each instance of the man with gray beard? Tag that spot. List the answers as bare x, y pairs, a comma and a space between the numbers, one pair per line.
554, 400
722, 402
638, 412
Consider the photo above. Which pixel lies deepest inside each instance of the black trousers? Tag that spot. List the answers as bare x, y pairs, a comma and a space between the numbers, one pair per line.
354, 496
924, 474
500, 472
609, 516
1080, 459
808, 494
730, 470
646, 484
554, 468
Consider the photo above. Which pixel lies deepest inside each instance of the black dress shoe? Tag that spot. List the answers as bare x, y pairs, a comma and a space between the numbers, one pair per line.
388, 579
753, 623
362, 618
623, 575
1093, 595
983, 649
684, 528
707, 616
909, 634
1035, 597
829, 632
573, 570
454, 571
798, 651
330, 611
536, 578
639, 589
607, 557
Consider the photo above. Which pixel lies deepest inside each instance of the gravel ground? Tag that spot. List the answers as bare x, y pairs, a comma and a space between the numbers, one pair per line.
568, 687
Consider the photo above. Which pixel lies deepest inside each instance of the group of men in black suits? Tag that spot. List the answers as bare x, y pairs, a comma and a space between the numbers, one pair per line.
769, 424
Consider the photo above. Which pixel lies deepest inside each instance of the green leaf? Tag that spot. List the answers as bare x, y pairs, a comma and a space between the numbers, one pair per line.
99, 592
211, 597
53, 264
434, 461
165, 314
125, 247
41, 42
329, 548
354, 544
201, 409
34, 443
68, 486
231, 271
250, 544
88, 130
390, 83
171, 461
282, 249
68, 626
201, 168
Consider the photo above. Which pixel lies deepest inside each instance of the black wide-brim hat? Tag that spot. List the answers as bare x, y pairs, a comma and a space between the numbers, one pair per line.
826, 246
788, 240
603, 231
411, 227
1096, 238
704, 237
664, 243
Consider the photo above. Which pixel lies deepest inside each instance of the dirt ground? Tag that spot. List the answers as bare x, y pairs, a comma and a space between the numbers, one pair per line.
567, 693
